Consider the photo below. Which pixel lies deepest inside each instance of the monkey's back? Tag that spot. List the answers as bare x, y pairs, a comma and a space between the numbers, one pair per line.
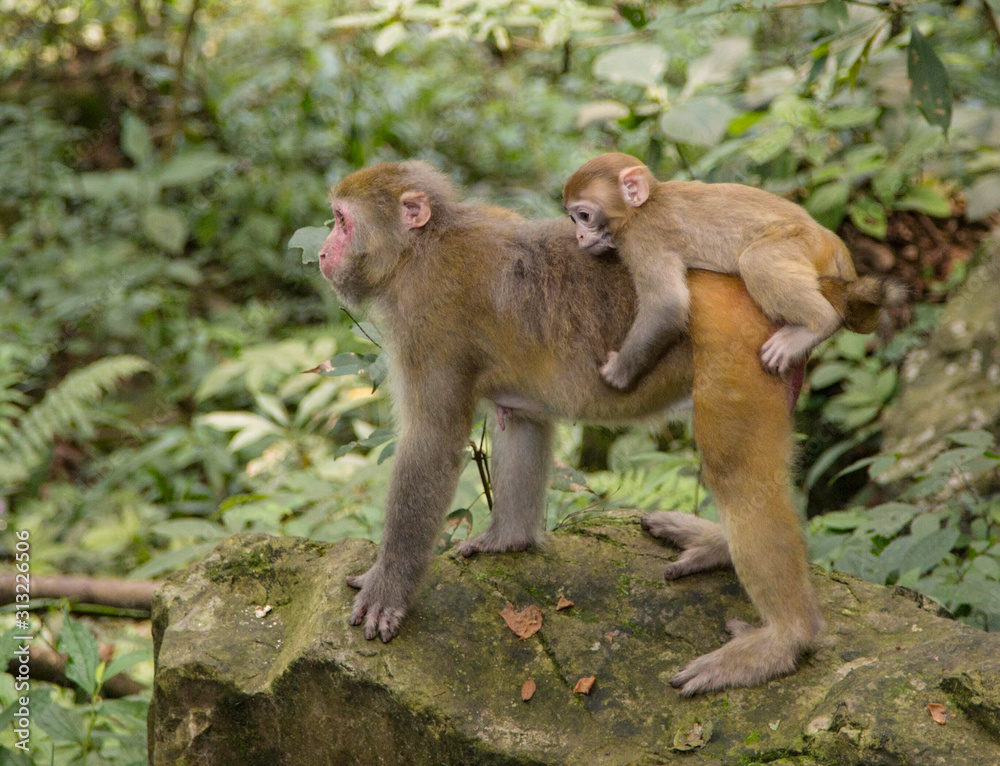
713, 224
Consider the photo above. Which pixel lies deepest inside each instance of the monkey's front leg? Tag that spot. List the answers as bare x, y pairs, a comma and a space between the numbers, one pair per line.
664, 303
424, 477
522, 454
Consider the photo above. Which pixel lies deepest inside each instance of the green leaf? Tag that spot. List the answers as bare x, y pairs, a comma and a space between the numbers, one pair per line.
769, 144
926, 200
349, 364
136, 141
309, 239
389, 37
828, 203
869, 216
929, 87
886, 184
982, 439
928, 551
82, 659
842, 521
59, 723
634, 14
125, 661
191, 168
862, 59
638, 64
828, 373
165, 228
882, 464
851, 117
698, 121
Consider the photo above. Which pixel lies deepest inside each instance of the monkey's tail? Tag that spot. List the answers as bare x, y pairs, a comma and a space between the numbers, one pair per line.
862, 302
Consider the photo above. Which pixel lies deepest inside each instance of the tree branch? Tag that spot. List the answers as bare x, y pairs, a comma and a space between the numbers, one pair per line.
128, 594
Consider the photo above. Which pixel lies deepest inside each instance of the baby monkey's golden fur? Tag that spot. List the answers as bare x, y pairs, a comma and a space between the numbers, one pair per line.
662, 229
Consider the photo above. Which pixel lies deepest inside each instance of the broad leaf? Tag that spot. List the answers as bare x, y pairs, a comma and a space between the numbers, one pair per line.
82, 658
639, 64
700, 121
926, 200
165, 228
928, 81
309, 239
136, 141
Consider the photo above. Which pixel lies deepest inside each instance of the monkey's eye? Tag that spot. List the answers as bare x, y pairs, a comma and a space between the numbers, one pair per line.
338, 217
584, 216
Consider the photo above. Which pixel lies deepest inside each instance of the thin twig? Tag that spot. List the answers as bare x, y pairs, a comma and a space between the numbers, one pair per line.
178, 90
480, 457
991, 22
362, 329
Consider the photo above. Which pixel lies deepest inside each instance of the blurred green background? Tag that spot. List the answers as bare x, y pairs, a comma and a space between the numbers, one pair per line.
156, 157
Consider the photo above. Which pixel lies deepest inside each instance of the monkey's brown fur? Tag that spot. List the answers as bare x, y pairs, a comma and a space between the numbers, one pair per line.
661, 229
476, 303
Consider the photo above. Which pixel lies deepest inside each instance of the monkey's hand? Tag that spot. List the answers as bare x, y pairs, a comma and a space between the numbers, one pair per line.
614, 372
381, 604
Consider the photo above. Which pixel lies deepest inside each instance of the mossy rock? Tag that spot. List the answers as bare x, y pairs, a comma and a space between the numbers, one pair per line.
238, 683
953, 383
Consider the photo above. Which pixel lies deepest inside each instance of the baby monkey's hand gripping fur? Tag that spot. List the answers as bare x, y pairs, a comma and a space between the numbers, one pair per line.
476, 303
662, 229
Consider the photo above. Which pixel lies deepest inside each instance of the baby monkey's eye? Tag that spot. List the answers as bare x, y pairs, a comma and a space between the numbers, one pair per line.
584, 216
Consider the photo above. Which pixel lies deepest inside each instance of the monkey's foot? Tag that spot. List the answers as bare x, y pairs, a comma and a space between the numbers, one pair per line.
378, 605
787, 346
755, 655
614, 374
703, 543
492, 541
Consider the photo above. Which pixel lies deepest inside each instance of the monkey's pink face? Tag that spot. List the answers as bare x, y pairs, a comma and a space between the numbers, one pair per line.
338, 241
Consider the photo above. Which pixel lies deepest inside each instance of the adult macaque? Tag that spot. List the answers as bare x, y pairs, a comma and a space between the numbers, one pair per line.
476, 303
662, 229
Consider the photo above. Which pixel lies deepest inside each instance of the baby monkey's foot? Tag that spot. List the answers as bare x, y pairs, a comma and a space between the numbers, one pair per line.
787, 346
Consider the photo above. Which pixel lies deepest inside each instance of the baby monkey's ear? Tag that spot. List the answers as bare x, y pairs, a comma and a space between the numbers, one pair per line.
634, 185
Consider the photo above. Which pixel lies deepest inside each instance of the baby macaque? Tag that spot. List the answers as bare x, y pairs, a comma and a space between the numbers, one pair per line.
661, 230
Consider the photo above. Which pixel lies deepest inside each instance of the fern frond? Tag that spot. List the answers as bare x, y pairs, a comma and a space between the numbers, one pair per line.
67, 408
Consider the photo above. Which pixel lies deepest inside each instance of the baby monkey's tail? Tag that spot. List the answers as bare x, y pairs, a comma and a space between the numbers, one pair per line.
861, 302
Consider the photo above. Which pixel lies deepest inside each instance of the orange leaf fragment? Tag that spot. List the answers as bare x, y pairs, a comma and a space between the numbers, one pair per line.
564, 603
527, 690
584, 685
938, 712
525, 623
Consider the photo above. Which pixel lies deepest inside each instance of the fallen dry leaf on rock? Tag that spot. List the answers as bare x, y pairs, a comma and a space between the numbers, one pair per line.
527, 690
525, 623
584, 685
564, 603
938, 712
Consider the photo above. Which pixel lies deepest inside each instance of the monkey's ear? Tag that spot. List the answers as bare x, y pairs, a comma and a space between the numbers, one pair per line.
415, 209
634, 185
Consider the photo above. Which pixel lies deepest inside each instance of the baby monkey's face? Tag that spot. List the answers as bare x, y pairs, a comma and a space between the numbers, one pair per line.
593, 234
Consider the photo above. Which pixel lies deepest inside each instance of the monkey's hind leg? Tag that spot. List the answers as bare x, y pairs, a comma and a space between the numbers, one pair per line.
784, 282
522, 453
743, 430
703, 543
